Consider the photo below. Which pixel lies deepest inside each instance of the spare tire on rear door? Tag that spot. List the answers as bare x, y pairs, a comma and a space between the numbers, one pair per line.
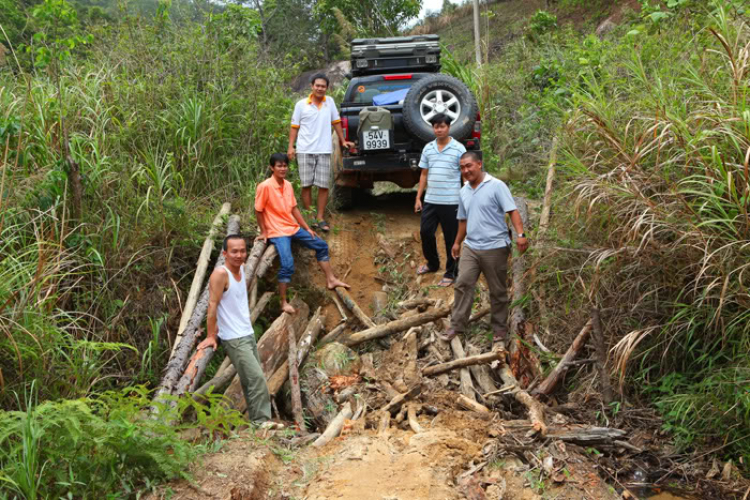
440, 94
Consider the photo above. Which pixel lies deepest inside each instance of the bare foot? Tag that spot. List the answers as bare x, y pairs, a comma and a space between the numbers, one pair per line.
287, 308
335, 282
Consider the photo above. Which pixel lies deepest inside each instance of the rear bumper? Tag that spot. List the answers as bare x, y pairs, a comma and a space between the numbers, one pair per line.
381, 162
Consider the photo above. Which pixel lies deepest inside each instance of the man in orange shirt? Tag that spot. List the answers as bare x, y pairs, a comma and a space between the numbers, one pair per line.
281, 223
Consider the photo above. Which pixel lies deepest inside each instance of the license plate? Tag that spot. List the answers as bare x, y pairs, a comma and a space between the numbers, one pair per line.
376, 139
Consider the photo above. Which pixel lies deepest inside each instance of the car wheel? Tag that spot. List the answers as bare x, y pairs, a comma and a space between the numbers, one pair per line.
440, 94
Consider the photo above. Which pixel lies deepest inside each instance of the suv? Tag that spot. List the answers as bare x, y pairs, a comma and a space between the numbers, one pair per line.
395, 88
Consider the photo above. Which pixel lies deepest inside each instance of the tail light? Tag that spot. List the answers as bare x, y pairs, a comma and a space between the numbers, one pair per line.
477, 133
345, 126
397, 77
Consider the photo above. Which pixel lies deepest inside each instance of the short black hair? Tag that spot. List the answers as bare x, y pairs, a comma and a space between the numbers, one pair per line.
278, 158
440, 118
471, 154
320, 76
224, 245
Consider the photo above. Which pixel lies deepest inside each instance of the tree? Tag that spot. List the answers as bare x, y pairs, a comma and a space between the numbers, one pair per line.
371, 18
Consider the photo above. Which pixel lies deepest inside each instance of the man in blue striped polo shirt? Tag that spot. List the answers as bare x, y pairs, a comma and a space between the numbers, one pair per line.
441, 177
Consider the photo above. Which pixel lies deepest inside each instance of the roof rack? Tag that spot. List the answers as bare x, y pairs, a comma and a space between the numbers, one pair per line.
402, 53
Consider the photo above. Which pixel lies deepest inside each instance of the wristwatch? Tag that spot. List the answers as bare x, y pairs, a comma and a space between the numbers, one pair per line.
522, 235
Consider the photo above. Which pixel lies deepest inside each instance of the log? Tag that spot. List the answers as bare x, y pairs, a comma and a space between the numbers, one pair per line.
547, 205
333, 335
299, 419
411, 370
354, 307
254, 295
384, 422
340, 307
482, 374
464, 362
414, 303
200, 273
279, 377
467, 387
558, 373
534, 407
181, 355
334, 428
481, 313
471, 405
395, 326
586, 435
399, 400
601, 356
518, 267
411, 413
251, 264
256, 311
264, 265
272, 350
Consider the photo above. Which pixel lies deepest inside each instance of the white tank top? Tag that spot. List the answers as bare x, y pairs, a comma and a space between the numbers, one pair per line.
233, 313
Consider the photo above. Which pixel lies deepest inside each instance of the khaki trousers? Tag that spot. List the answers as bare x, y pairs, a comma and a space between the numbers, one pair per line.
243, 352
493, 264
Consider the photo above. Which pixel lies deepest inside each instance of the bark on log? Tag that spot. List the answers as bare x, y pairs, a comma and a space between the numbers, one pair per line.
333, 335
395, 326
414, 303
200, 273
334, 428
411, 413
464, 362
517, 317
481, 313
466, 387
534, 407
340, 307
411, 370
265, 264
482, 374
471, 405
307, 340
384, 422
260, 306
396, 402
601, 356
251, 264
558, 373
272, 349
299, 419
180, 357
354, 307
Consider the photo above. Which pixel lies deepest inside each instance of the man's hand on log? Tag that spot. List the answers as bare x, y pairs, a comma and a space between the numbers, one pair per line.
262, 237
522, 244
209, 342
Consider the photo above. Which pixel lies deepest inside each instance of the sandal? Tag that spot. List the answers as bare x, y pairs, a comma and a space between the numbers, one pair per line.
424, 269
323, 226
445, 282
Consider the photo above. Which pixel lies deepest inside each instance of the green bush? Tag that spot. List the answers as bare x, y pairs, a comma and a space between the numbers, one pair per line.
542, 22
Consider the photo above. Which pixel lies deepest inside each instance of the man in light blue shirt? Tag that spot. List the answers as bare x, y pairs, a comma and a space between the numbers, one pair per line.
483, 203
442, 178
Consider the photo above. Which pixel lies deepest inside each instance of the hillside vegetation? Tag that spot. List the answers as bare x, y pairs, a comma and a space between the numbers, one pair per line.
122, 133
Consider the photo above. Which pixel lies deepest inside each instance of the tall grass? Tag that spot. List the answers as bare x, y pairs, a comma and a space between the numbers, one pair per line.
658, 154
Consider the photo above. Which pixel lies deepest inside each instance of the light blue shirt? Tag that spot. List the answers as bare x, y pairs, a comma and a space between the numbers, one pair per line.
443, 172
484, 210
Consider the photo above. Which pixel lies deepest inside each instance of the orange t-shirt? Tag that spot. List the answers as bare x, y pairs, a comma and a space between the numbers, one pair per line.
276, 202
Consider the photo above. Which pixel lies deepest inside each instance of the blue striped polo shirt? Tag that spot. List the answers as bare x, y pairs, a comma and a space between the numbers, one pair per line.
443, 174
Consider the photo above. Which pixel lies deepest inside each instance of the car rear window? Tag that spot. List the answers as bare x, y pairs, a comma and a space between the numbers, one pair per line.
365, 91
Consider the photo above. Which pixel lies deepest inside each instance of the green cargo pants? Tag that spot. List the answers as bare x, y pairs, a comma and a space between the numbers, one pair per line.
243, 352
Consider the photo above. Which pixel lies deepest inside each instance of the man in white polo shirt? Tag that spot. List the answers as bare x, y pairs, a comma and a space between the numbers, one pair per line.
311, 131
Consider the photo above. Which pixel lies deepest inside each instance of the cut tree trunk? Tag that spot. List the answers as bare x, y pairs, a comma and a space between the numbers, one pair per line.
466, 387
411, 413
471, 405
411, 371
354, 307
517, 317
549, 384
534, 407
395, 326
547, 205
307, 340
601, 356
333, 335
482, 374
272, 349
180, 356
200, 273
251, 264
299, 419
464, 362
265, 264
334, 428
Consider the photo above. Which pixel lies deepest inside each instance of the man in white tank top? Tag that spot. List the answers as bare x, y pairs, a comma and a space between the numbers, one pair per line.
228, 319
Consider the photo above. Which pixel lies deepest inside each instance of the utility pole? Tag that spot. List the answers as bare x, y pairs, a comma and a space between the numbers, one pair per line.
477, 43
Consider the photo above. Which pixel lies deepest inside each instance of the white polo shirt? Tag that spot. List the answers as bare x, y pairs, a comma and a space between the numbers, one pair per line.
314, 125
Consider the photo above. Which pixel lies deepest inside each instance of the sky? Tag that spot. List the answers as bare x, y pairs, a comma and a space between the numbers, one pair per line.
432, 5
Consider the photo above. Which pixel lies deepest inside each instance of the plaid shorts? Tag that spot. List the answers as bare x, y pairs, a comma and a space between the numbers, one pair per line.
314, 169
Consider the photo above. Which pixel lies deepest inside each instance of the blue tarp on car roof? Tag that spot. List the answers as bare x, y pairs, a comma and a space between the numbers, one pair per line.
390, 97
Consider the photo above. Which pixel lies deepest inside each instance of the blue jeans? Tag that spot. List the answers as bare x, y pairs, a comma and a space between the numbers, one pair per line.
283, 246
